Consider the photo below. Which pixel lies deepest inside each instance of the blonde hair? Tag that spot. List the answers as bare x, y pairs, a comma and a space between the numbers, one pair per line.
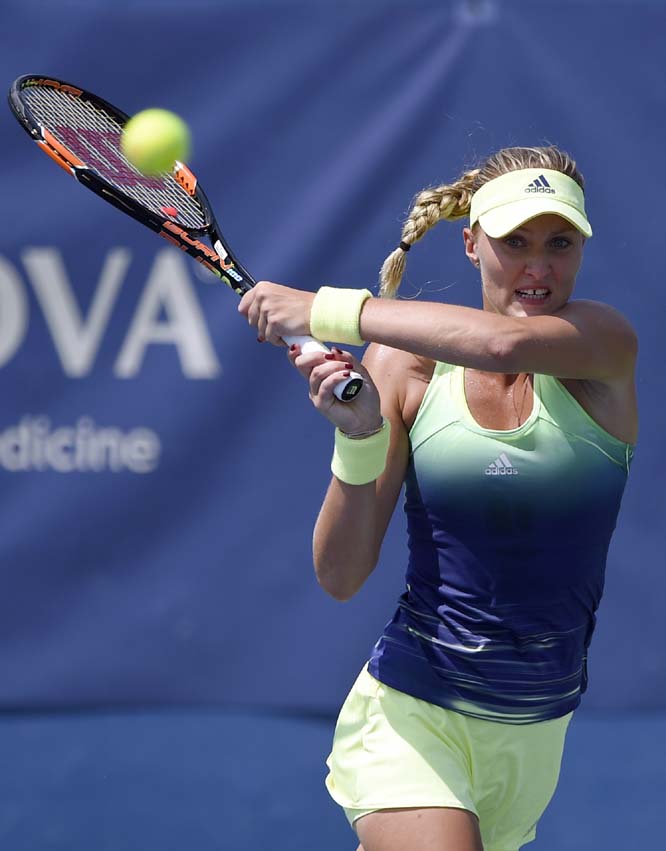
452, 201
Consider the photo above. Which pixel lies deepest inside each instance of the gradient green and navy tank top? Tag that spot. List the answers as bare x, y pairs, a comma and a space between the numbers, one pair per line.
508, 536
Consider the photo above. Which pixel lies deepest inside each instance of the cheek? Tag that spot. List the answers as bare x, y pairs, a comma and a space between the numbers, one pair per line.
489, 259
566, 270
500, 271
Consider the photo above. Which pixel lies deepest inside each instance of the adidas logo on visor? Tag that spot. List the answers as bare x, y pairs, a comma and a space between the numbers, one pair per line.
501, 467
540, 185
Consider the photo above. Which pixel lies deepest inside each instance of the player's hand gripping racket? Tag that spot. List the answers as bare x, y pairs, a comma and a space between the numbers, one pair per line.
81, 132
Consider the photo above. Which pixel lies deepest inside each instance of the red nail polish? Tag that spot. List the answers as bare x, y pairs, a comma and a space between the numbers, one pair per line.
336, 349
346, 374
349, 365
293, 347
260, 340
329, 356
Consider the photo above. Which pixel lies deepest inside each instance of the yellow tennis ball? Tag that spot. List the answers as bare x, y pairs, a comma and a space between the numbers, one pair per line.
154, 139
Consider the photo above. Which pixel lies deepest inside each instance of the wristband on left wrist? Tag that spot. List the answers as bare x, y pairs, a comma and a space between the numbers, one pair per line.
360, 461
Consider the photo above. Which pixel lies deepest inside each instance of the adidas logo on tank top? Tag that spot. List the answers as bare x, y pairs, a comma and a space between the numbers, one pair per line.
501, 466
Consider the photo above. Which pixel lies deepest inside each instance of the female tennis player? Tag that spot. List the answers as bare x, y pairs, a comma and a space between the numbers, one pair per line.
513, 429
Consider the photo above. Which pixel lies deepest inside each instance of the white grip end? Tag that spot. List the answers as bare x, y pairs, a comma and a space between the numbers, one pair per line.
347, 389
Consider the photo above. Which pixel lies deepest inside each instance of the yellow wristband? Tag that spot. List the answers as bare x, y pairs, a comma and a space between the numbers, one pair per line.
358, 462
336, 314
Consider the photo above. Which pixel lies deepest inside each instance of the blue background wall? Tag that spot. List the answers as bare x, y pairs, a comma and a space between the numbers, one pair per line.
175, 609
314, 124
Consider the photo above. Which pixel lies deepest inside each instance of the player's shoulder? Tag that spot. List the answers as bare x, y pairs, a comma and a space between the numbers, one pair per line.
396, 364
600, 312
401, 378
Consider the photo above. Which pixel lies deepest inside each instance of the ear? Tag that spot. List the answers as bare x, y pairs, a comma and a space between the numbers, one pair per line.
470, 247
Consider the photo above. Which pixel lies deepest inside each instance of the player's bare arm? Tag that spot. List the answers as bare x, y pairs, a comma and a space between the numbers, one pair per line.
353, 519
584, 340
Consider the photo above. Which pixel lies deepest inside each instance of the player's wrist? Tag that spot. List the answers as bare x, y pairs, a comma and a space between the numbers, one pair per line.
358, 459
336, 313
362, 434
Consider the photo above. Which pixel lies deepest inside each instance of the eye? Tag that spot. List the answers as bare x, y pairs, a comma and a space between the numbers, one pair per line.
560, 242
514, 241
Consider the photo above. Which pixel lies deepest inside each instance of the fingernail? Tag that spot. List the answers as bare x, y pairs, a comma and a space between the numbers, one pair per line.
346, 374
293, 347
336, 349
260, 340
349, 365
329, 356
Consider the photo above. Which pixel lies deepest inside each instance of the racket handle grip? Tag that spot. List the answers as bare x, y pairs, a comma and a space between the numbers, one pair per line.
347, 389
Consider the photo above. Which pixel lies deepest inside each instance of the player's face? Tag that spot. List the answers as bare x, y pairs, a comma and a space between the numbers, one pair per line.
531, 270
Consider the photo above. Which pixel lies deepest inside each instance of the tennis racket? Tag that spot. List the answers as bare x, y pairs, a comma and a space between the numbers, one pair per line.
81, 132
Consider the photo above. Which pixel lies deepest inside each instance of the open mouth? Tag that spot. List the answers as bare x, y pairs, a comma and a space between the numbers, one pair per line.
534, 296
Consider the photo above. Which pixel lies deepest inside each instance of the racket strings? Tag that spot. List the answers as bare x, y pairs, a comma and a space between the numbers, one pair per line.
93, 135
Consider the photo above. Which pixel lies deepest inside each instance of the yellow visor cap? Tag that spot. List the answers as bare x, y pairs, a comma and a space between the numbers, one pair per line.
507, 202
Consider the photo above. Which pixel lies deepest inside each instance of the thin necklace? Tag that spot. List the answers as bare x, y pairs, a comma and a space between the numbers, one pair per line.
519, 413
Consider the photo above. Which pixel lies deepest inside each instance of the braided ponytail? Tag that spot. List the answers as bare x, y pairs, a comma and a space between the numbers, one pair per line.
446, 202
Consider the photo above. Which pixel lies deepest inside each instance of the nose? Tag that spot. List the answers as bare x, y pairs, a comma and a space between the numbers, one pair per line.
537, 267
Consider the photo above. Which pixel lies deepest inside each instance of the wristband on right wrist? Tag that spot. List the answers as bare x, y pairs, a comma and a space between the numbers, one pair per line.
336, 313
359, 461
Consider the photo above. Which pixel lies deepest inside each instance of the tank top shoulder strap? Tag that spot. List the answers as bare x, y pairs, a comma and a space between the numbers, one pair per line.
440, 406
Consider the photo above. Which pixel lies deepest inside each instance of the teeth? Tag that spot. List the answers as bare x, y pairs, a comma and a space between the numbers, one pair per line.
533, 292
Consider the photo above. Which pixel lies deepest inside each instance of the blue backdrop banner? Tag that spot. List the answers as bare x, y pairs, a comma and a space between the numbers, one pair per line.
160, 472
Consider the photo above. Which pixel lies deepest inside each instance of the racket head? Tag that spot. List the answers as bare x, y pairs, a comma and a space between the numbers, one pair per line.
81, 132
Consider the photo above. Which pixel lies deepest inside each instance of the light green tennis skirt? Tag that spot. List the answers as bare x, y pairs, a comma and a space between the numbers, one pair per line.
392, 750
